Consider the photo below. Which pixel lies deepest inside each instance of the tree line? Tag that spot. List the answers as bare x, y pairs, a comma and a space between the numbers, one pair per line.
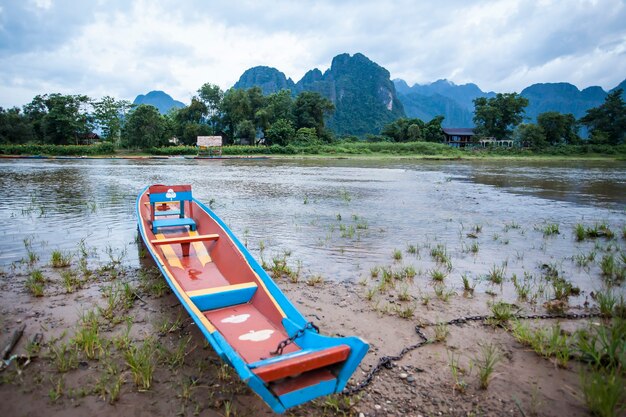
249, 117
502, 117
239, 116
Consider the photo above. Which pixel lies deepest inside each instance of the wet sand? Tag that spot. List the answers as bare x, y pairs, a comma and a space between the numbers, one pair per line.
195, 382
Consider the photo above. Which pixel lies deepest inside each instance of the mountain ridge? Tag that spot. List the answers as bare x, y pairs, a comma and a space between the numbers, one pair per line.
159, 99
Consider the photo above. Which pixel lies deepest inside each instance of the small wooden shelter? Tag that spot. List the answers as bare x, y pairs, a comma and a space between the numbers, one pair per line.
209, 146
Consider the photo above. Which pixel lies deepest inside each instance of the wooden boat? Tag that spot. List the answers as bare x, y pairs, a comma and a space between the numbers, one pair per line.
237, 306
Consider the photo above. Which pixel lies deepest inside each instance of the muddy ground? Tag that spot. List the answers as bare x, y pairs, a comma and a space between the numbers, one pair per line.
131, 309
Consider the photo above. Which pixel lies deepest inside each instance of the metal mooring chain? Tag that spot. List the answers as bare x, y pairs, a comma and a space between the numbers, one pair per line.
570, 316
282, 345
387, 361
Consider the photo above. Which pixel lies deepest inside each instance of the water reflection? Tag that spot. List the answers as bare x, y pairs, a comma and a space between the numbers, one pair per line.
340, 217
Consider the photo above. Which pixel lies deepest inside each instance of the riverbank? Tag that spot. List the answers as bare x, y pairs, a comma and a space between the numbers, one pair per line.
413, 150
106, 340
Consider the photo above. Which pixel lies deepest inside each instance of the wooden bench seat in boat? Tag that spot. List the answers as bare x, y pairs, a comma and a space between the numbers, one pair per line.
225, 296
161, 194
298, 362
184, 239
176, 222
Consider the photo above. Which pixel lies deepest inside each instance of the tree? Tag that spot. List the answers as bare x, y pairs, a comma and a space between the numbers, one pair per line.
498, 116
608, 120
433, 132
35, 111
559, 128
280, 106
109, 114
413, 130
309, 111
15, 127
239, 106
306, 136
60, 119
280, 133
530, 135
145, 128
188, 122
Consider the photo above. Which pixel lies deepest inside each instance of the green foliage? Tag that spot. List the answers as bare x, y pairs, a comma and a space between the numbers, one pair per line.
412, 130
145, 128
607, 122
531, 136
188, 122
559, 128
497, 116
15, 127
280, 133
67, 150
309, 111
108, 114
59, 119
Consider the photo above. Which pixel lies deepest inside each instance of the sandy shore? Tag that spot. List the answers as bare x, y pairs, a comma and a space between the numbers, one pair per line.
134, 310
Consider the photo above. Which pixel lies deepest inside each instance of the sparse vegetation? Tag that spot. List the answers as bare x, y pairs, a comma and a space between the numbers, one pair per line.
60, 259
486, 362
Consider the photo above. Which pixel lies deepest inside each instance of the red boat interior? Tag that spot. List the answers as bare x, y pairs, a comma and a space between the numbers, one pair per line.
211, 273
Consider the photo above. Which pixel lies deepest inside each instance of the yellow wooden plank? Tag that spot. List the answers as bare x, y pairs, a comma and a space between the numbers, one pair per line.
185, 298
169, 253
201, 252
215, 290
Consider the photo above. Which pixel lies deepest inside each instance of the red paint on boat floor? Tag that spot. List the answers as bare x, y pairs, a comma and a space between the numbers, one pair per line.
250, 349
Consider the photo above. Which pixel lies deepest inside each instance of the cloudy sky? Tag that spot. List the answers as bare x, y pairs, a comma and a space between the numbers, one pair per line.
124, 48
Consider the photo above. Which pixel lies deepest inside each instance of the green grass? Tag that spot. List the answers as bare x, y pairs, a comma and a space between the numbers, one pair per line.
501, 313
35, 283
70, 281
437, 275
486, 362
443, 293
468, 286
60, 259
550, 229
405, 312
604, 392
64, 356
315, 280
87, 338
549, 342
496, 274
440, 254
397, 254
141, 361
441, 332
593, 232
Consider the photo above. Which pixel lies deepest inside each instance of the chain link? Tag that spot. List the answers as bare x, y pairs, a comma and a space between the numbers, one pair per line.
386, 362
283, 344
568, 316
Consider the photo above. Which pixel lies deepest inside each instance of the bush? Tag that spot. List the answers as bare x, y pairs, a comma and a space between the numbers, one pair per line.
104, 148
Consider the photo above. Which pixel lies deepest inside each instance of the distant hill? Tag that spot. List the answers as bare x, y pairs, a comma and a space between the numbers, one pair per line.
561, 97
455, 102
365, 99
162, 101
443, 97
270, 80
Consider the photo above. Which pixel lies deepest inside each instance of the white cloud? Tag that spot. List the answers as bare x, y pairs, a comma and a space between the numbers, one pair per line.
124, 49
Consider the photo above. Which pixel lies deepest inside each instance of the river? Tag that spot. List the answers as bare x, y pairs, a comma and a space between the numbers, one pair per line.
338, 218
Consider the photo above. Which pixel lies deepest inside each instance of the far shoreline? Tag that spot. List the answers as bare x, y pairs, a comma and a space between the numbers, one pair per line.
419, 157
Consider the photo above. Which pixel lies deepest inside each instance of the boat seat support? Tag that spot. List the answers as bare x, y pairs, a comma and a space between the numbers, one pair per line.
220, 297
295, 363
184, 241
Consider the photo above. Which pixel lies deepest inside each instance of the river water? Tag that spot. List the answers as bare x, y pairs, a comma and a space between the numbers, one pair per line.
337, 218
